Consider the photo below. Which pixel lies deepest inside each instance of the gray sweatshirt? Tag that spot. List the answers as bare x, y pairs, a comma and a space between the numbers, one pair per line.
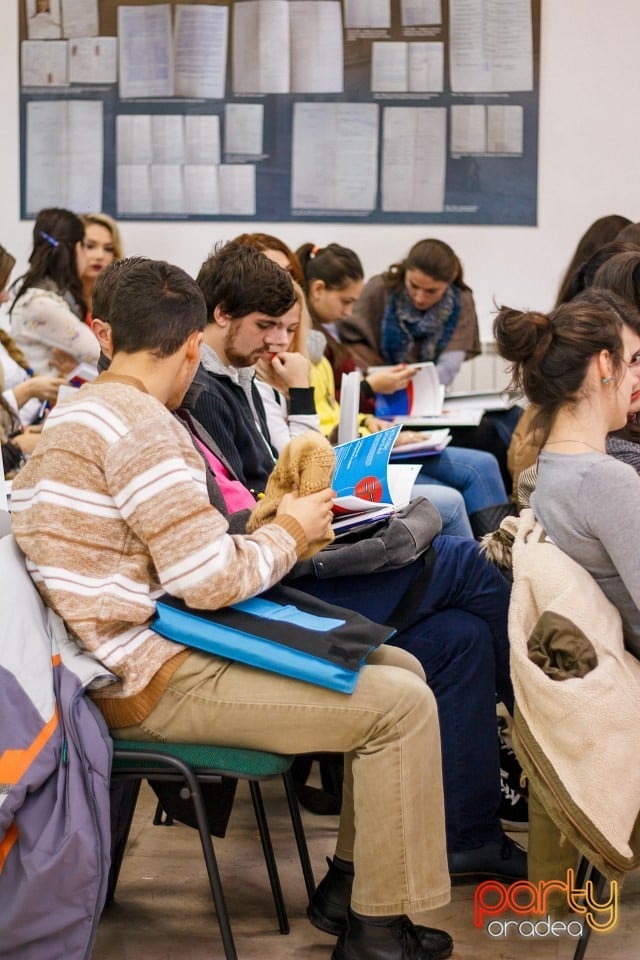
589, 505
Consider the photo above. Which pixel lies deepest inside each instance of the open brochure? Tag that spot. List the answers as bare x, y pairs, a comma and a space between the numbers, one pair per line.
424, 445
423, 403
364, 481
423, 395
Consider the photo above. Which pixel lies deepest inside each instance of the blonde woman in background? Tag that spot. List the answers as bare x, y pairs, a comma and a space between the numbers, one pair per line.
103, 245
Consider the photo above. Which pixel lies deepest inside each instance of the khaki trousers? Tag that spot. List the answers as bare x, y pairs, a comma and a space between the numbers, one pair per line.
392, 821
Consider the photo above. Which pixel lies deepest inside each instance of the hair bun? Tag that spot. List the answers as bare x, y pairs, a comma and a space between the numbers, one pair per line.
522, 336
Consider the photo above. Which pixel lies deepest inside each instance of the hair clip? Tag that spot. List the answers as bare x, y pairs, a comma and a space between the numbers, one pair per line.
49, 239
313, 252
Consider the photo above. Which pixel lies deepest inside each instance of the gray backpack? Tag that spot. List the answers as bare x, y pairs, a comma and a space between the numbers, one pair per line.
393, 542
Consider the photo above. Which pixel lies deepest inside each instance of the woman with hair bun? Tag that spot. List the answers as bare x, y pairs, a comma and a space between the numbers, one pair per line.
581, 366
47, 315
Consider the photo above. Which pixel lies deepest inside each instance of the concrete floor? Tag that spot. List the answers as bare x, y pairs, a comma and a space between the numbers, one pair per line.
163, 909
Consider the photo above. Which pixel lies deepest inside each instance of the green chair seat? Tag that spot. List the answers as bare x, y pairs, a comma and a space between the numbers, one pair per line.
229, 761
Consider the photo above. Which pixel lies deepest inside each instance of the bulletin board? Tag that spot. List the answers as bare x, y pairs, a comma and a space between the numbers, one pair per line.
352, 111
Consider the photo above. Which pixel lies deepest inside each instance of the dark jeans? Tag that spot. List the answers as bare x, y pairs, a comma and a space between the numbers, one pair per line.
459, 634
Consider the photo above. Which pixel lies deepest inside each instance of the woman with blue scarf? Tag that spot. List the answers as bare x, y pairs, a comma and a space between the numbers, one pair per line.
420, 309
333, 284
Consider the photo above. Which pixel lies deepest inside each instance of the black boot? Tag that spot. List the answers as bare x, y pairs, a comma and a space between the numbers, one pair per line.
328, 910
329, 905
489, 518
500, 859
397, 939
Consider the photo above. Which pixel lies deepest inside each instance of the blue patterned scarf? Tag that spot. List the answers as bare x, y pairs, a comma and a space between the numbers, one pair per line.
431, 329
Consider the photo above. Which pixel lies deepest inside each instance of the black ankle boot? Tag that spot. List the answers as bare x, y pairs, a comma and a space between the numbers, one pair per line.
399, 939
328, 910
329, 906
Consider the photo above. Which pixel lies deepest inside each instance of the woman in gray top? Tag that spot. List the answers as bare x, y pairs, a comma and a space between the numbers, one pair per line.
581, 366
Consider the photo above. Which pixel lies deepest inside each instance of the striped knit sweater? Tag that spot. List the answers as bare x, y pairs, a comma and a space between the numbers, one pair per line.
112, 511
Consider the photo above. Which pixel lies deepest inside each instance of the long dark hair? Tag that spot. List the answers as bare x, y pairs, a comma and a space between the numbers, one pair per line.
336, 266
432, 257
55, 235
601, 231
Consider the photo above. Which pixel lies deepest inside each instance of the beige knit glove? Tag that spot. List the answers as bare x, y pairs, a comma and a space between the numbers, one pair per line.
306, 464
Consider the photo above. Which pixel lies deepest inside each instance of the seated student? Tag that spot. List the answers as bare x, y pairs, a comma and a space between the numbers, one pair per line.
284, 374
579, 365
420, 309
103, 245
614, 267
601, 231
334, 288
144, 525
47, 315
461, 635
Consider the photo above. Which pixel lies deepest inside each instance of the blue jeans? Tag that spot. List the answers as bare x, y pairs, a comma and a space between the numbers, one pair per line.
475, 473
449, 504
459, 634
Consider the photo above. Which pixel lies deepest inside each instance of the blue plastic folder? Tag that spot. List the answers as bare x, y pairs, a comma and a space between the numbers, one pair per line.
283, 631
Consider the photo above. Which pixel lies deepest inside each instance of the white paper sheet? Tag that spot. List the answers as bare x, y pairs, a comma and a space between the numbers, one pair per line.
365, 14
342, 175
134, 189
426, 67
414, 159
468, 128
201, 50
202, 140
418, 12
202, 189
243, 128
316, 46
167, 138
93, 60
505, 129
44, 20
261, 46
80, 18
133, 139
64, 154
237, 189
491, 45
349, 406
399, 67
167, 188
389, 66
44, 63
146, 51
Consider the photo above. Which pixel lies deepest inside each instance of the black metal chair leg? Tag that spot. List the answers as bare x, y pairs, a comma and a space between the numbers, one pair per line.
205, 839
581, 872
269, 858
298, 831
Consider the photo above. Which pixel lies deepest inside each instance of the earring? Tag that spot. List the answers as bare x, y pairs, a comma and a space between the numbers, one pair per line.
608, 379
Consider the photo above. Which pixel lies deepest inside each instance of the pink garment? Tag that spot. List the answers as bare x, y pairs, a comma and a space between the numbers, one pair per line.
236, 496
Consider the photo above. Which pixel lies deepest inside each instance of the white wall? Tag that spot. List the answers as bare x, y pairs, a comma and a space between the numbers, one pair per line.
588, 167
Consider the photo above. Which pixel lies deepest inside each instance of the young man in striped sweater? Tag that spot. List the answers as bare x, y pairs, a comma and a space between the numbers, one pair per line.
112, 510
